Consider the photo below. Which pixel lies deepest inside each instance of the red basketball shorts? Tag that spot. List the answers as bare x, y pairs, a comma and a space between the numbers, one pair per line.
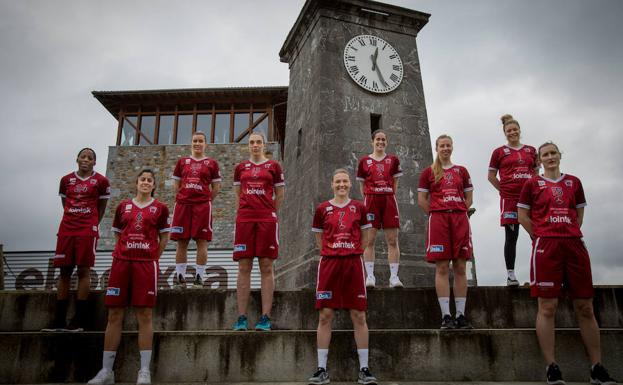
384, 209
449, 236
192, 221
75, 251
132, 283
560, 264
341, 283
508, 212
256, 239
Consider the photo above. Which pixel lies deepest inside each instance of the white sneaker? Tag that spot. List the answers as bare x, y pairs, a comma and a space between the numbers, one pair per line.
103, 377
394, 282
144, 377
370, 281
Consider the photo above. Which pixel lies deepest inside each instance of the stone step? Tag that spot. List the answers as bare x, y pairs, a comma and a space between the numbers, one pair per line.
225, 356
348, 383
205, 309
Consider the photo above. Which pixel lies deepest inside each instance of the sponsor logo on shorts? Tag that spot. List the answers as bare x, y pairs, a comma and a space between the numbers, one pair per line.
545, 284
113, 291
240, 247
436, 249
509, 215
324, 295
370, 217
177, 230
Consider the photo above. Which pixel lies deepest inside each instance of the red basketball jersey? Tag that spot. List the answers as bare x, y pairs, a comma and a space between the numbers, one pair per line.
515, 166
553, 204
257, 184
80, 216
378, 175
449, 192
139, 229
195, 177
341, 227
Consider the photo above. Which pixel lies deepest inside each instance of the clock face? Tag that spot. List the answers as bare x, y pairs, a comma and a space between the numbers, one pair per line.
373, 63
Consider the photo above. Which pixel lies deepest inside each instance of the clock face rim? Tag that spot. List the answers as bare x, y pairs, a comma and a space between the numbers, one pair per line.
350, 74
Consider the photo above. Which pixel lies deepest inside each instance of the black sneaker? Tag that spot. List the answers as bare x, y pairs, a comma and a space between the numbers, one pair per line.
447, 322
198, 283
599, 375
74, 326
554, 376
179, 282
461, 322
55, 327
365, 377
319, 378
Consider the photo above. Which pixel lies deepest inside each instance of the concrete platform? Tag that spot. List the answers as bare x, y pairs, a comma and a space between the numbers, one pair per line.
205, 309
282, 356
342, 383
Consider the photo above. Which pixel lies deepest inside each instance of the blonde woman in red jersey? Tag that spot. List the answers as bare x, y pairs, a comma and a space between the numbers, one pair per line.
141, 228
515, 162
197, 181
84, 194
378, 175
551, 209
259, 187
341, 228
445, 193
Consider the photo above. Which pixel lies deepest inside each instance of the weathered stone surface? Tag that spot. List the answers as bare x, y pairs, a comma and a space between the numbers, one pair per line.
124, 163
328, 126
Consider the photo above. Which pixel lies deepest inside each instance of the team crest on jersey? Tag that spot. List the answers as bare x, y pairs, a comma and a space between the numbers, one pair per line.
436, 249
267, 165
93, 181
113, 291
388, 161
206, 162
568, 183
153, 209
557, 194
187, 161
352, 208
527, 149
324, 294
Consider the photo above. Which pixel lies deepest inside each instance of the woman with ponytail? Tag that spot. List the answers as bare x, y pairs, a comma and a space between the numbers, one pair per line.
445, 193
516, 163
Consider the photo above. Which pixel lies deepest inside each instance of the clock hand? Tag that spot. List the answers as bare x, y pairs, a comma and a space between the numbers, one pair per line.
373, 57
378, 72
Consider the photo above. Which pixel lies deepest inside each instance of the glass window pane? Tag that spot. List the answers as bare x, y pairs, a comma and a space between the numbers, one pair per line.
241, 123
204, 124
184, 129
128, 133
262, 127
165, 133
148, 129
221, 128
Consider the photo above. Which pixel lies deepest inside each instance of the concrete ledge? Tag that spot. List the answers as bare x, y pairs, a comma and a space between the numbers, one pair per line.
488, 307
216, 356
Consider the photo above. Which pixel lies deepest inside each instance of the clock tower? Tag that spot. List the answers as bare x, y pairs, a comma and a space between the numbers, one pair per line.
354, 68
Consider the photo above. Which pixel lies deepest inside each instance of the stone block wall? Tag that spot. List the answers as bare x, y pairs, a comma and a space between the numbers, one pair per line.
125, 162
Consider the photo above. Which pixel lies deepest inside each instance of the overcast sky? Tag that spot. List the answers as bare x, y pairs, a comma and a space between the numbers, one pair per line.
555, 65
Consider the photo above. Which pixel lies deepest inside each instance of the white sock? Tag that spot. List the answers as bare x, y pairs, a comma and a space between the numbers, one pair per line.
180, 269
108, 360
370, 268
393, 269
511, 274
201, 270
145, 359
444, 304
459, 302
323, 354
363, 358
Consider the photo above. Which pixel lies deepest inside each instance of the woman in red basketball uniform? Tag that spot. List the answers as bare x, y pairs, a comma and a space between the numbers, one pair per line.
341, 227
378, 175
445, 193
84, 194
259, 186
516, 163
551, 209
197, 181
141, 227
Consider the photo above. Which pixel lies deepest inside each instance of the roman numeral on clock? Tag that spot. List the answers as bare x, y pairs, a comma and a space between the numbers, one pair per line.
374, 85
396, 67
362, 42
352, 58
363, 79
394, 78
393, 56
373, 42
354, 69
